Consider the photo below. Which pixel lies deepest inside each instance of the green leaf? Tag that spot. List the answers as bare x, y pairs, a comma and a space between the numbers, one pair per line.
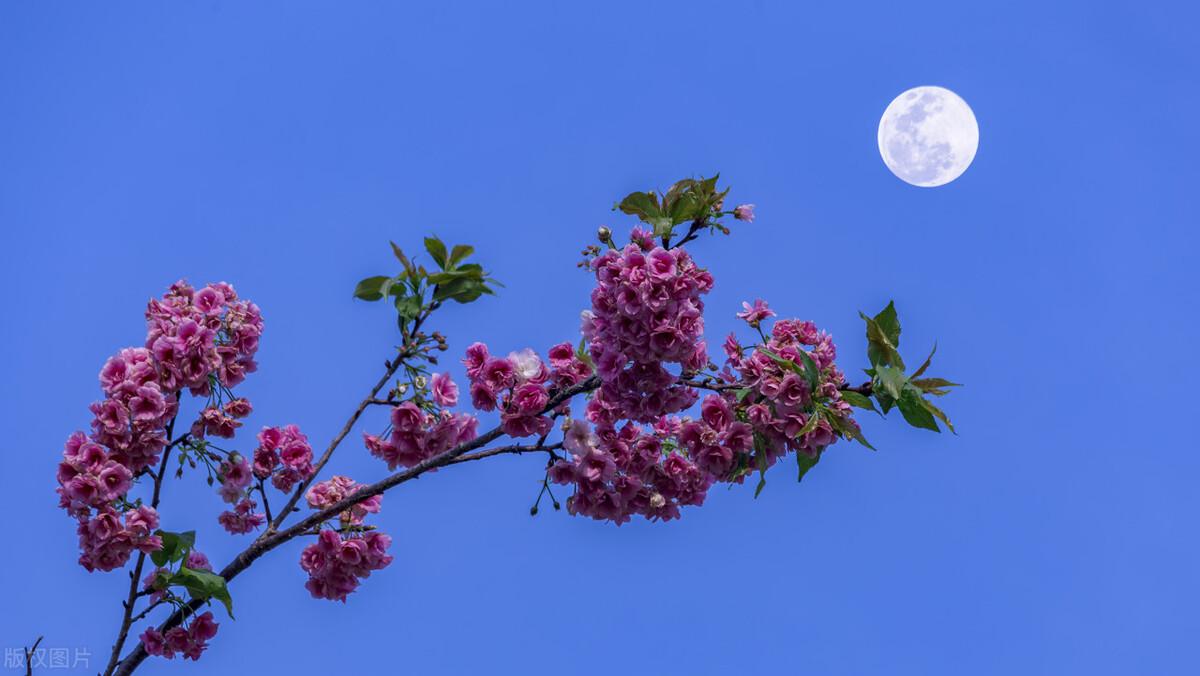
645, 205
203, 585
912, 406
742, 393
459, 253
880, 349
847, 429
400, 256
175, 546
887, 321
408, 307
805, 463
935, 386
371, 288
760, 457
809, 371
462, 290
925, 365
465, 272
437, 250
810, 424
939, 414
891, 381
858, 436
858, 400
581, 353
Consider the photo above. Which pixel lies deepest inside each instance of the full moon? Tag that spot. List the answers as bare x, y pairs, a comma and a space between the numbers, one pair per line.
928, 136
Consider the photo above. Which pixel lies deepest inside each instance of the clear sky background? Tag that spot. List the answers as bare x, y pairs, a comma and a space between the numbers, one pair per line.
279, 146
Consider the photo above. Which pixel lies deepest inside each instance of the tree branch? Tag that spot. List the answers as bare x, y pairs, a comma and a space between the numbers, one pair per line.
270, 540
284, 511
516, 449
136, 575
29, 652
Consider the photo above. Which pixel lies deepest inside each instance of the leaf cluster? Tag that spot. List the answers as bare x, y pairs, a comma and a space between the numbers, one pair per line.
687, 201
415, 289
201, 585
890, 386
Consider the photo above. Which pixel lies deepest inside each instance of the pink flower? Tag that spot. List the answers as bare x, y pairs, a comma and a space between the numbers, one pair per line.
529, 399
152, 641
527, 365
477, 356
445, 391
744, 212
407, 417
754, 314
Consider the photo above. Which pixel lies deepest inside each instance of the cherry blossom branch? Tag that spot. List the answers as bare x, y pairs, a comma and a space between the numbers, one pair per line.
269, 541
135, 576
286, 509
412, 344
516, 449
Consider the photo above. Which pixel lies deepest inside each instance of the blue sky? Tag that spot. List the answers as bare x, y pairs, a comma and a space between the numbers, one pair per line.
279, 146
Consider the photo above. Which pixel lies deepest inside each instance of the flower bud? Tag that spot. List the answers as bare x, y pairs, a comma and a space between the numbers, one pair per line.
604, 234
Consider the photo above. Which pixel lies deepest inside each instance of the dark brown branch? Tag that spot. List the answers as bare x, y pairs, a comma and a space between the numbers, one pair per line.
864, 389
516, 449
29, 652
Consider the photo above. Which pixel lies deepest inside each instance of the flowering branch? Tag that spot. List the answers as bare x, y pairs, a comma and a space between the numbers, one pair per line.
268, 542
516, 449
287, 508
127, 619
645, 443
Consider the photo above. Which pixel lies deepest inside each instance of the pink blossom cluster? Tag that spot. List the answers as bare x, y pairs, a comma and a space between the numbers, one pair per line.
130, 420
417, 434
335, 562
221, 421
194, 339
520, 384
236, 475
106, 543
242, 518
190, 641
717, 439
89, 477
284, 456
195, 334
330, 492
646, 312
777, 400
621, 473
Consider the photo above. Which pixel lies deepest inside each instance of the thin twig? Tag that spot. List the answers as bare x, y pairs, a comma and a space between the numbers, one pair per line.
287, 508
29, 652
